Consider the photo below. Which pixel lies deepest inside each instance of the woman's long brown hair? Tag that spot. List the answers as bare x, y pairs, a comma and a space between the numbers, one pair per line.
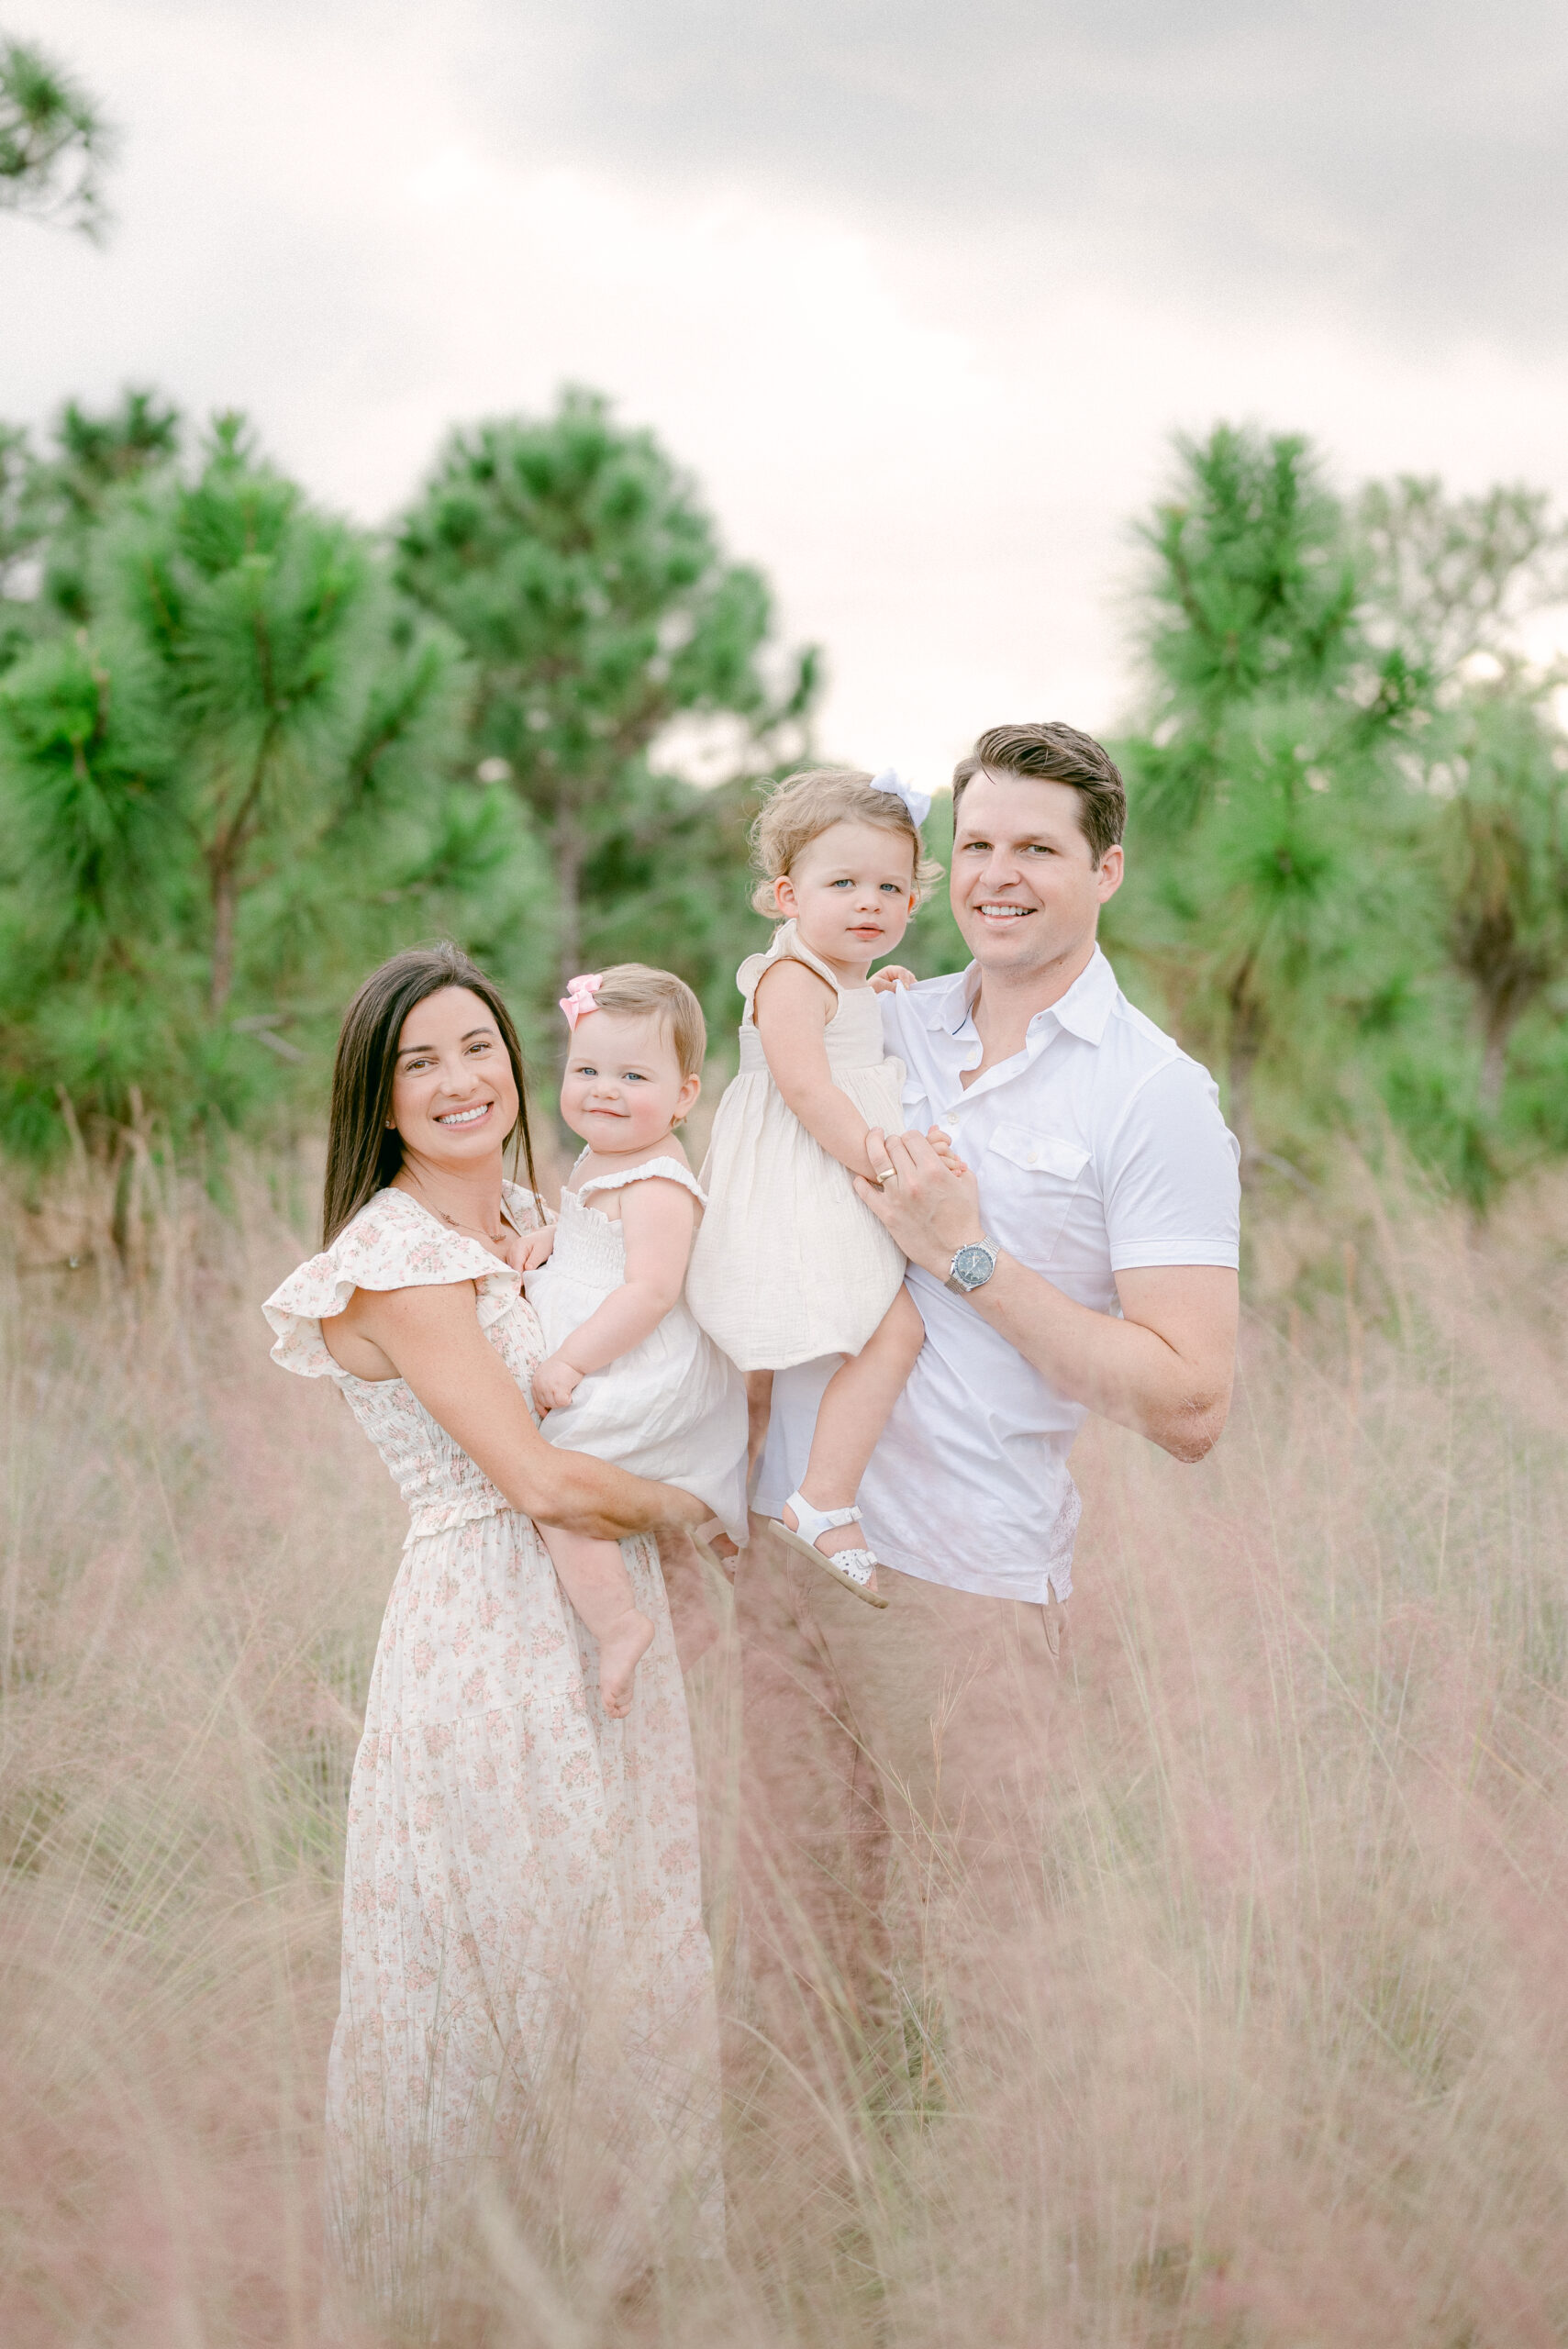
364, 1152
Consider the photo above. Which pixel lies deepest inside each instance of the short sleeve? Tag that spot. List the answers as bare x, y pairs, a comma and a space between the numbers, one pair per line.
391, 1243
664, 1169
1170, 1176
786, 948
746, 979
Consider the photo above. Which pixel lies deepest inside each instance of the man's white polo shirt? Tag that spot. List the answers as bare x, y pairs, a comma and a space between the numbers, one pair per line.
1098, 1148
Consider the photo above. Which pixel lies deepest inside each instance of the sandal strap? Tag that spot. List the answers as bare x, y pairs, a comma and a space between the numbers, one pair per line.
809, 1522
859, 1565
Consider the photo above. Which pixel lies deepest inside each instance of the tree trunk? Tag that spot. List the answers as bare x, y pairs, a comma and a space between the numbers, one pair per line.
223, 866
570, 850
1245, 1049
225, 896
1495, 1059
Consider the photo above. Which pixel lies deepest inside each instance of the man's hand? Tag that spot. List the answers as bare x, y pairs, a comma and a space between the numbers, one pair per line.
555, 1383
1163, 1366
931, 1205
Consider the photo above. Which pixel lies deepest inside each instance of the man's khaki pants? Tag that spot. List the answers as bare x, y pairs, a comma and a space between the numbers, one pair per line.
893, 1764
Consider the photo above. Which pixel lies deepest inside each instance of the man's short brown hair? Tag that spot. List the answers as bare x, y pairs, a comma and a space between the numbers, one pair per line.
1052, 753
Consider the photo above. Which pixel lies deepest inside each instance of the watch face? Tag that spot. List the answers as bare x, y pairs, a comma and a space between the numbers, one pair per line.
973, 1265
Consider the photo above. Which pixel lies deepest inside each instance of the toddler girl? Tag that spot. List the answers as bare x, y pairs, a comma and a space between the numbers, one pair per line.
630, 1377
789, 1264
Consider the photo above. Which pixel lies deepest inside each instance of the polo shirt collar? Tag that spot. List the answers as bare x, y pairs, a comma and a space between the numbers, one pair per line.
1083, 1010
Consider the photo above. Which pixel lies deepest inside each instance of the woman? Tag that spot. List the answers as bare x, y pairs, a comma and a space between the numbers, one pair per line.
526, 1980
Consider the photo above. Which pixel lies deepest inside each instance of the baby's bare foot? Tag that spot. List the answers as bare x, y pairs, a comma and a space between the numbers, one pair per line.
621, 1649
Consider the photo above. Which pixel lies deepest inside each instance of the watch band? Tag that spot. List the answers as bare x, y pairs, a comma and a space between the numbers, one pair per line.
983, 1247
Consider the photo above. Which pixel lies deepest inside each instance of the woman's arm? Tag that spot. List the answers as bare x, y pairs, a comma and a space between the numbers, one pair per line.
431, 1338
657, 1218
788, 1009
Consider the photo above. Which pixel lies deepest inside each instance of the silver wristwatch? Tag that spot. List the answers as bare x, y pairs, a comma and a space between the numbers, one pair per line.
973, 1266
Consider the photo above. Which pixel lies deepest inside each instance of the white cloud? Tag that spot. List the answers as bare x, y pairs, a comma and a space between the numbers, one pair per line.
931, 438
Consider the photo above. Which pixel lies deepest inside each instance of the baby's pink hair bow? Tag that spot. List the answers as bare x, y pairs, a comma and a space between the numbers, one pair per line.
581, 996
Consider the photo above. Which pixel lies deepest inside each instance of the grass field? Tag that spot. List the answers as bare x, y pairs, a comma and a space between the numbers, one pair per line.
1287, 2060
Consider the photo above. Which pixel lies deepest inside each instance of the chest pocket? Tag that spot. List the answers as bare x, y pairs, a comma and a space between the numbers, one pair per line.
1036, 1182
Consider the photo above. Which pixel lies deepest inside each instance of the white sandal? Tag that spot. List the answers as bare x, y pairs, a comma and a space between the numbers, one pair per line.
853, 1568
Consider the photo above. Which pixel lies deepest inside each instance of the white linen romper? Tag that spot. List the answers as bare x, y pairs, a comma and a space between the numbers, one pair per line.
789, 1264
671, 1408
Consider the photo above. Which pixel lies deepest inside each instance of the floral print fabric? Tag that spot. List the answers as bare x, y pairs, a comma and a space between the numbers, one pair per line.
526, 1985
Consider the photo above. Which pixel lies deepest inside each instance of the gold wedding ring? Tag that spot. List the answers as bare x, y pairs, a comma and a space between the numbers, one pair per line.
888, 1174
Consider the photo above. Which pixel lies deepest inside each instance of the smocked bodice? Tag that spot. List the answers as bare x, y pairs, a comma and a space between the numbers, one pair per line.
588, 1246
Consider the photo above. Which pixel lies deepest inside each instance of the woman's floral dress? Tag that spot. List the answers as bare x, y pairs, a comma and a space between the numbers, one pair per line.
526, 1985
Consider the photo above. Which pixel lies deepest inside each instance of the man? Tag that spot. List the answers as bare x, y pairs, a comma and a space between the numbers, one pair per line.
1085, 1261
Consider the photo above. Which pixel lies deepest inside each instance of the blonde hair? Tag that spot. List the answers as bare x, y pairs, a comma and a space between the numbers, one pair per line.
637, 987
805, 806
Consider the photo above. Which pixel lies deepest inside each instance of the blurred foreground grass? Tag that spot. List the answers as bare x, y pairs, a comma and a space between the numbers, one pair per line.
1282, 2057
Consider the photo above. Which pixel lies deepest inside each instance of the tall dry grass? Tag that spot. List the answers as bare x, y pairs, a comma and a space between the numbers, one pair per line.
1282, 2057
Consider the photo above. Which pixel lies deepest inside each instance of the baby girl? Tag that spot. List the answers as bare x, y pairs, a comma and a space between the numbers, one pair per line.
788, 1263
630, 1377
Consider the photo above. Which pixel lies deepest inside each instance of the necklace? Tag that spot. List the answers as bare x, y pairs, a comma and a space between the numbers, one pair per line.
495, 1238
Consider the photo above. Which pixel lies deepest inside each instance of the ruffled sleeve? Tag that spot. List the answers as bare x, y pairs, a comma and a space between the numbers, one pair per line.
786, 948
393, 1242
667, 1170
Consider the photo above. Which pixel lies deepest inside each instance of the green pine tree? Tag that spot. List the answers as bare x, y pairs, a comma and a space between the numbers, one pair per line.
1269, 830
53, 142
577, 565
218, 797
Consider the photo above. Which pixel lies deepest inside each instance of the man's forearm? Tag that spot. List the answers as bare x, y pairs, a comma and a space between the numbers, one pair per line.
1164, 1368
1118, 1368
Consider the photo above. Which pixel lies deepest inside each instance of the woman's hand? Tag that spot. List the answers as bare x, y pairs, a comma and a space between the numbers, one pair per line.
555, 1383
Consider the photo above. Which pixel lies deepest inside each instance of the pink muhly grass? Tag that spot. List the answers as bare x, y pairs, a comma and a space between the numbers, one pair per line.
1273, 2051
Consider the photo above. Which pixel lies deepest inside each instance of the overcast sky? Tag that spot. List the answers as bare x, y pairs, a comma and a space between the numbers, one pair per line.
918, 290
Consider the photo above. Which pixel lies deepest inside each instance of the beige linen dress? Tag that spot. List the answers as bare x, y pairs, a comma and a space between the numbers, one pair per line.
527, 1986
788, 1265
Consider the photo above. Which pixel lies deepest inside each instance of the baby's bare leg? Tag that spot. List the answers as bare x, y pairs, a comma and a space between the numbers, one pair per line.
853, 1413
758, 1408
594, 1576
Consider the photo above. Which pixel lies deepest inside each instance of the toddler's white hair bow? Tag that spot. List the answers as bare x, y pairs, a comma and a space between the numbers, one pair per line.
917, 802
581, 996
